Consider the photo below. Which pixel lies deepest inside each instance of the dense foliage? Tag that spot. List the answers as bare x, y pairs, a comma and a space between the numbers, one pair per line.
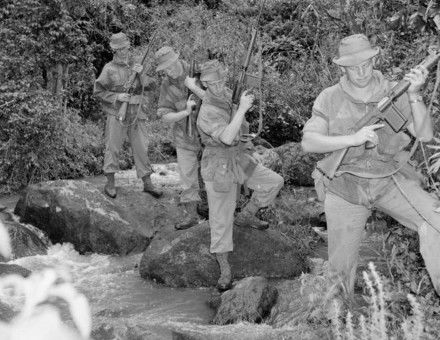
52, 50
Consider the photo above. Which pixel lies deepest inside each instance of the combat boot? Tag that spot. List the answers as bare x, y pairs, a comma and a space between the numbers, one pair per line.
246, 218
149, 187
225, 280
191, 217
109, 188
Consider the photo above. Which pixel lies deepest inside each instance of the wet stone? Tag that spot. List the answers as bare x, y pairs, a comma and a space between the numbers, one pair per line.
250, 300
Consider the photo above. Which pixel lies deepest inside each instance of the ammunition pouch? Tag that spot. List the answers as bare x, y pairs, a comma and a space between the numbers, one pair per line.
321, 184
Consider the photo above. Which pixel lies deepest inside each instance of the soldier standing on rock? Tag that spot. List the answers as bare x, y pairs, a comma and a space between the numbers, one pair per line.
111, 89
174, 108
225, 164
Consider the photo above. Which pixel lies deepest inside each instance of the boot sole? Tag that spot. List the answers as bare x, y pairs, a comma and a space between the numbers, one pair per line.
184, 227
109, 194
154, 195
252, 227
224, 288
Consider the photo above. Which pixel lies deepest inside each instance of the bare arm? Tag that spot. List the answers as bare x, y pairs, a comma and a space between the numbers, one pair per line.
191, 84
171, 117
231, 131
320, 143
421, 127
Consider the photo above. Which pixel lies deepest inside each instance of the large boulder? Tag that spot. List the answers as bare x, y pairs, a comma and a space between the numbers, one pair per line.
77, 212
182, 259
26, 240
251, 300
297, 166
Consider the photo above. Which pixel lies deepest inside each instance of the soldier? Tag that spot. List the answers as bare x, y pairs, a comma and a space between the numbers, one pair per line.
225, 164
370, 178
174, 108
110, 89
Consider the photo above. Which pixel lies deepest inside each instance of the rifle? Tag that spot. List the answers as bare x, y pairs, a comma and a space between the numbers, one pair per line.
386, 112
249, 79
128, 87
243, 77
194, 72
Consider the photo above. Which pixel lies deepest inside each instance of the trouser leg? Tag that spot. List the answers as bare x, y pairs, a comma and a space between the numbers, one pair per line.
416, 211
188, 165
266, 184
345, 223
138, 135
114, 137
221, 215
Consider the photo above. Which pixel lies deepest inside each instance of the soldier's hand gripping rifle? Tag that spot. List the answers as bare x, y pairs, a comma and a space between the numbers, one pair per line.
385, 112
194, 72
244, 77
129, 85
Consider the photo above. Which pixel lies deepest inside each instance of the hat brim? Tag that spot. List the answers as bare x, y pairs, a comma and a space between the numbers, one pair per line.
356, 58
118, 46
167, 63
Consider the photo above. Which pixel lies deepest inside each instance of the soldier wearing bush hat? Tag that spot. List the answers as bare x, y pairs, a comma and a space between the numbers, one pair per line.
369, 178
174, 107
225, 164
111, 92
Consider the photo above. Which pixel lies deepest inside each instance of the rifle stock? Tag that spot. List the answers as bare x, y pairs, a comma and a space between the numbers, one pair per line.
392, 117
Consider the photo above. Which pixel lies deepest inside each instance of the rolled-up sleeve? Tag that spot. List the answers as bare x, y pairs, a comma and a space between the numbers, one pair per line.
319, 122
211, 121
102, 87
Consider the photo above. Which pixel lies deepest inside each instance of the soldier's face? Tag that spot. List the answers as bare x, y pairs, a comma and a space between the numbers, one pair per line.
217, 87
174, 70
360, 75
122, 53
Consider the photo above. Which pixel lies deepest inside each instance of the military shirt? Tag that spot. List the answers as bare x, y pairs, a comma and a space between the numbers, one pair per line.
173, 98
335, 112
112, 81
221, 161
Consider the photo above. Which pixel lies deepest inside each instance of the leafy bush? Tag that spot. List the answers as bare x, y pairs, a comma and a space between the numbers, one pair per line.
61, 46
42, 141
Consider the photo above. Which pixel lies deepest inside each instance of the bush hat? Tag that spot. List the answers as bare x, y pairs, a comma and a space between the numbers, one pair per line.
165, 57
354, 50
119, 40
212, 70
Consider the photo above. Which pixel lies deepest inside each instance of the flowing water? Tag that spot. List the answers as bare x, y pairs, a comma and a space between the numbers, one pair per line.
124, 306
120, 299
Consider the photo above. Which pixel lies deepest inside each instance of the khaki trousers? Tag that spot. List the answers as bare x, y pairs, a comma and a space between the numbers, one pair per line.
266, 185
346, 222
188, 168
115, 134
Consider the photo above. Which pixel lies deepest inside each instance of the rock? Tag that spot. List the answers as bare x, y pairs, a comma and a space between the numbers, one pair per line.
251, 300
8, 269
77, 212
26, 240
182, 259
297, 166
106, 331
242, 331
